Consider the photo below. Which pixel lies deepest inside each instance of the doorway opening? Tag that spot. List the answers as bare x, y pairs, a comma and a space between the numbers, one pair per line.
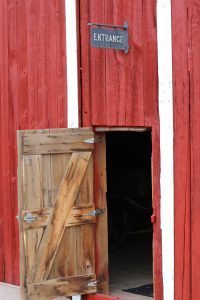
129, 201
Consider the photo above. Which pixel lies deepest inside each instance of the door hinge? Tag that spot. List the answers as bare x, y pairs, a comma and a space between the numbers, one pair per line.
93, 283
89, 141
92, 140
29, 218
96, 212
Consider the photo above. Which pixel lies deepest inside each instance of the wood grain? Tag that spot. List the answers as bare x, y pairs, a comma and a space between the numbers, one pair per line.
182, 148
100, 188
33, 96
77, 216
69, 286
55, 143
64, 201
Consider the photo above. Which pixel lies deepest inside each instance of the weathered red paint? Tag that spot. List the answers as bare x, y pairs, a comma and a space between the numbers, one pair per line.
32, 96
186, 74
181, 17
194, 60
122, 90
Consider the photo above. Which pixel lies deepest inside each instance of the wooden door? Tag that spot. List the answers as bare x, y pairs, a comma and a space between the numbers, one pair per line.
57, 214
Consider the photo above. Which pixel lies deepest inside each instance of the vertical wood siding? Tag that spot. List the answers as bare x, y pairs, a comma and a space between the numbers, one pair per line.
186, 73
32, 96
182, 150
122, 90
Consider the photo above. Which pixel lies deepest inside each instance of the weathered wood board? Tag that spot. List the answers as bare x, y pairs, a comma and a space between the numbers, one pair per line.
55, 213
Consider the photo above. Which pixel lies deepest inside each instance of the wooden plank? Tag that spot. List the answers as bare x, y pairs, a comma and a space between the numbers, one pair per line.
52, 70
69, 286
65, 259
68, 261
85, 249
124, 72
63, 204
193, 60
157, 235
5, 144
23, 273
77, 216
56, 143
42, 79
61, 63
47, 181
23, 99
85, 61
33, 198
100, 189
149, 53
32, 58
13, 124
182, 156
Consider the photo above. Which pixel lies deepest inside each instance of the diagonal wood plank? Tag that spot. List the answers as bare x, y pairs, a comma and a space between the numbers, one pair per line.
64, 202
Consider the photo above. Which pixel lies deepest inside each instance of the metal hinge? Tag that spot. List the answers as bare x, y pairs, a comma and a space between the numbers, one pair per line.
96, 212
93, 283
89, 141
28, 217
92, 140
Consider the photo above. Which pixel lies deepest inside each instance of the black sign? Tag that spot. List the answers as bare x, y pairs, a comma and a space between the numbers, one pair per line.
110, 38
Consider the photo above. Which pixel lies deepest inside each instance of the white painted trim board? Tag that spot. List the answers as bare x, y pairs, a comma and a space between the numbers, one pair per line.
166, 144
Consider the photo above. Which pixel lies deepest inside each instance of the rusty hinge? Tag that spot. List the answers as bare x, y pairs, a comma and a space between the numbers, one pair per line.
96, 212
29, 218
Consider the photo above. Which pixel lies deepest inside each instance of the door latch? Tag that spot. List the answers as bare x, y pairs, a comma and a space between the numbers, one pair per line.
153, 219
95, 213
29, 218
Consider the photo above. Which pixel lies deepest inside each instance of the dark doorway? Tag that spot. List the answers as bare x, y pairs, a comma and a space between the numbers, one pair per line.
129, 199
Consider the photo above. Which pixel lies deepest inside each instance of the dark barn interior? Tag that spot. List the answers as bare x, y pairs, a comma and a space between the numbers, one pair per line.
129, 199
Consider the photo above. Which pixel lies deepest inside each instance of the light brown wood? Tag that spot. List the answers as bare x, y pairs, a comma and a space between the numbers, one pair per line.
64, 201
69, 286
100, 188
65, 259
61, 242
85, 233
77, 216
22, 205
56, 143
33, 193
47, 181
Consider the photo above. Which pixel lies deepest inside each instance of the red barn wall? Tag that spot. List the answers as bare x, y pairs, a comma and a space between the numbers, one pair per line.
186, 76
121, 89
32, 95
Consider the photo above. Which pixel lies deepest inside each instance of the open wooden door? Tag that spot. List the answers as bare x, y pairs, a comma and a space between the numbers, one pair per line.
63, 252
